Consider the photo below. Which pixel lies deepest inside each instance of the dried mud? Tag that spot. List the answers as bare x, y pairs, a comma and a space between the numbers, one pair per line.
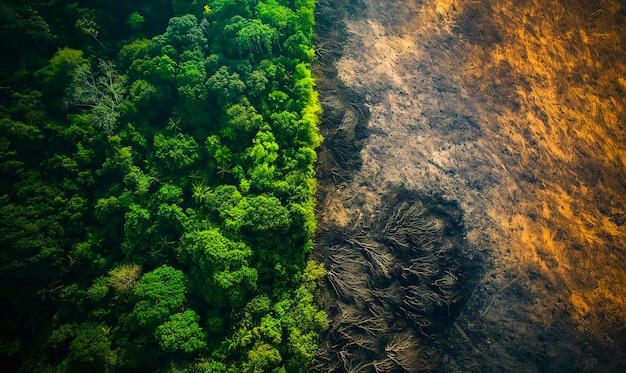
505, 124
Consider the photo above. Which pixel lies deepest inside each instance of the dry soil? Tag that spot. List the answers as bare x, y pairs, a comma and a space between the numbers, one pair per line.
515, 112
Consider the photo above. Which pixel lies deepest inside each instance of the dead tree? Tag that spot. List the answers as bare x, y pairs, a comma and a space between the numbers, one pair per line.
100, 93
409, 229
405, 351
384, 366
379, 261
423, 267
423, 299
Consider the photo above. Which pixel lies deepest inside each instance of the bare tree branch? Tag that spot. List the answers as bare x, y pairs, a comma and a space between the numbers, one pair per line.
100, 93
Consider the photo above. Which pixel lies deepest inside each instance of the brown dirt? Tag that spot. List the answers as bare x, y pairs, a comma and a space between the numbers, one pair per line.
516, 111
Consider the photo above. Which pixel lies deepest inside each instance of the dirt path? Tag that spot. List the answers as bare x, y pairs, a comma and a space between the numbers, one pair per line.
514, 112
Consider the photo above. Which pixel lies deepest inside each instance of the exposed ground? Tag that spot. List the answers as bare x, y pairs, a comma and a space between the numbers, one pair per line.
504, 122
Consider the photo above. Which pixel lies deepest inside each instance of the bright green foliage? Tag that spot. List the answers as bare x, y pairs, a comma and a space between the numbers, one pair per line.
156, 209
302, 320
304, 84
265, 149
191, 74
280, 17
222, 155
296, 46
219, 267
262, 358
164, 68
181, 333
169, 193
240, 339
160, 293
133, 52
308, 131
137, 220
241, 119
306, 18
58, 74
271, 329
256, 38
100, 289
256, 84
136, 20
141, 92
137, 181
266, 214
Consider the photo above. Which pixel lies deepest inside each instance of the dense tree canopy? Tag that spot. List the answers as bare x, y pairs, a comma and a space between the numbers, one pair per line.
156, 209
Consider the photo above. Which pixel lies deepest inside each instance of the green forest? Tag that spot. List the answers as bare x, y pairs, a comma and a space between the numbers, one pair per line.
157, 194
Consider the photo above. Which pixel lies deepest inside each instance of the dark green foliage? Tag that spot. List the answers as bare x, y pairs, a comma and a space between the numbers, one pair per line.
58, 74
225, 86
90, 348
225, 9
175, 154
156, 209
183, 33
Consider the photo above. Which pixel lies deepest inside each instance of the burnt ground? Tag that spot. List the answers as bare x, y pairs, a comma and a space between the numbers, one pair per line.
471, 197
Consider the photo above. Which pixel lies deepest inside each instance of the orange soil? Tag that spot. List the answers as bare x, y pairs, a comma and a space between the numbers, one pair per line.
517, 110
